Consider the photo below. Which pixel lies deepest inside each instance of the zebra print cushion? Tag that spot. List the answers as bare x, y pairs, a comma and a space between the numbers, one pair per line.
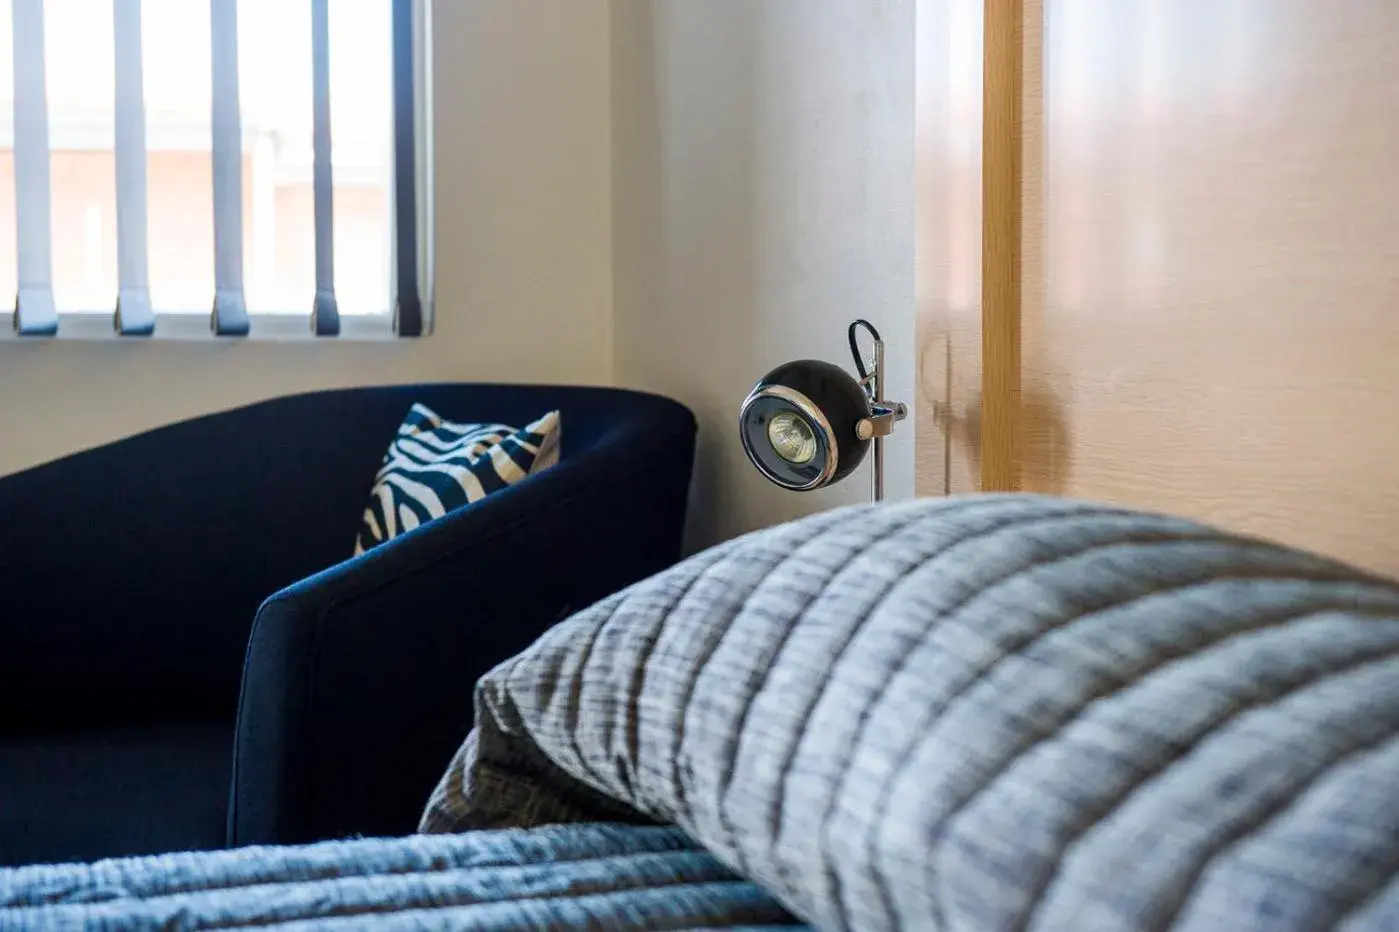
434, 466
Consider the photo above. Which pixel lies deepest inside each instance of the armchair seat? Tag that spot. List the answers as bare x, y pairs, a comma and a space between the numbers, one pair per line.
114, 790
190, 656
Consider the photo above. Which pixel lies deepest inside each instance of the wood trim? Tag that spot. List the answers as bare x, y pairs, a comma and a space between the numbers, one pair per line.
1003, 93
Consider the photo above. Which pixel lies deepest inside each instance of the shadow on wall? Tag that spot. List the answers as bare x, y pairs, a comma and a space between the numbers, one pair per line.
1047, 442
950, 432
1046, 431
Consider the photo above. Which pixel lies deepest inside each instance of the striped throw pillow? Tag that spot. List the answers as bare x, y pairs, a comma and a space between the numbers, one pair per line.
434, 465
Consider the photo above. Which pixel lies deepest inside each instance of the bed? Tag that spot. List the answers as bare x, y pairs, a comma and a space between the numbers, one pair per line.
989, 712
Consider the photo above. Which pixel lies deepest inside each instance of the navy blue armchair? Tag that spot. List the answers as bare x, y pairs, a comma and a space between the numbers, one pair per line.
179, 614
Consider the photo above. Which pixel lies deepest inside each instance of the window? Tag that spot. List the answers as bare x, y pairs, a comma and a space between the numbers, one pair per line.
238, 167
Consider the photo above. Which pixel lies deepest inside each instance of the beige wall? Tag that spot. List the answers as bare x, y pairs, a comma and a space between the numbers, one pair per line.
763, 181
523, 253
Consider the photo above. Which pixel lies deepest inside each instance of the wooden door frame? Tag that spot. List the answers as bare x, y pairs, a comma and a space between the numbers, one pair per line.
1011, 36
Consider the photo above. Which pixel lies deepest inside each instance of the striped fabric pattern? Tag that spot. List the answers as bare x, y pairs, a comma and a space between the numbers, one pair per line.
562, 877
435, 465
993, 712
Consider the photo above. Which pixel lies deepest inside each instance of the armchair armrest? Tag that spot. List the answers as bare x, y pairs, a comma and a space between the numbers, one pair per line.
358, 681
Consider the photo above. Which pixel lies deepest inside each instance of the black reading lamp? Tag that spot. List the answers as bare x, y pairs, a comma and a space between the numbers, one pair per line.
807, 424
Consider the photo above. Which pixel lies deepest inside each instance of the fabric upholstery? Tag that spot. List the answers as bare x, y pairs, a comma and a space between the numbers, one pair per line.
367, 668
988, 713
560, 878
203, 519
434, 465
139, 579
88, 793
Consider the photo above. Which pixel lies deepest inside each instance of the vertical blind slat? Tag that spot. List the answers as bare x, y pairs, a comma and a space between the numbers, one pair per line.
133, 316
35, 311
408, 310
230, 306
35, 314
325, 320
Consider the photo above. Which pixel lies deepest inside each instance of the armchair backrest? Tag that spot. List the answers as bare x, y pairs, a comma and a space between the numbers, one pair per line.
130, 573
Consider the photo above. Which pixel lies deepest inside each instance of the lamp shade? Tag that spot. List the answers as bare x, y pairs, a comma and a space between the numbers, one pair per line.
798, 424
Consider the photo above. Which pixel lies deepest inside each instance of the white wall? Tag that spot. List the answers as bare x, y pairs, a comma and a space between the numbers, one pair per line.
523, 253
763, 197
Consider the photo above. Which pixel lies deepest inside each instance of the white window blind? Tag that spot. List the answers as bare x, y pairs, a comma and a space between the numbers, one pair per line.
181, 168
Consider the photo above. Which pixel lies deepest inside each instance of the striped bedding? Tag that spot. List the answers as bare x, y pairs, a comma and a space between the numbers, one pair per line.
560, 877
1000, 712
996, 712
